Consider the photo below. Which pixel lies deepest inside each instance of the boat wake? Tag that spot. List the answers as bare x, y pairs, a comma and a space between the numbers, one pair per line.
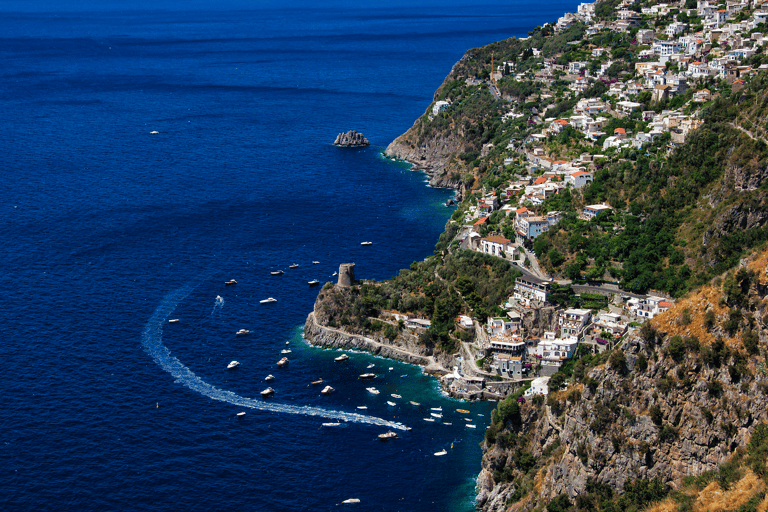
218, 304
152, 340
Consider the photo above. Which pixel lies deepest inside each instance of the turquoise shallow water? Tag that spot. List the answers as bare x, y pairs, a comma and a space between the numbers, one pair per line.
110, 230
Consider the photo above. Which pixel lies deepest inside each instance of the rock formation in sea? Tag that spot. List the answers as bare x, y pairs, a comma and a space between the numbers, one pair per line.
351, 139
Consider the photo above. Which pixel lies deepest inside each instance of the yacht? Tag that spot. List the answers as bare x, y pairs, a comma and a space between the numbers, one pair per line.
462, 411
370, 366
332, 424
242, 332
313, 282
342, 357
415, 403
372, 390
294, 265
432, 420
231, 281
315, 262
268, 392
268, 301
316, 382
240, 414
387, 435
436, 415
366, 243
282, 362
173, 321
395, 395
233, 365
469, 425
285, 351
438, 409
326, 390
441, 453
362, 407
269, 378
367, 375
391, 403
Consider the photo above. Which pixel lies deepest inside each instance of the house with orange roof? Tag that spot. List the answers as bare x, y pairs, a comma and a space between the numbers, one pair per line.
494, 245
557, 126
701, 96
579, 179
620, 133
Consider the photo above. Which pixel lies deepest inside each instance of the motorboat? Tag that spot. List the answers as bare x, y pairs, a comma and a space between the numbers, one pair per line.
362, 407
395, 395
316, 382
327, 390
173, 321
467, 419
285, 351
268, 392
441, 453
462, 411
282, 362
233, 365
469, 425
269, 378
231, 281
351, 500
447, 423
334, 273
436, 415
387, 435
372, 390
240, 414
390, 368
431, 420
315, 262
438, 409
268, 301
370, 366
415, 403
366, 243
342, 357
313, 282
277, 273
293, 265
331, 424
367, 375
391, 403
154, 132
242, 332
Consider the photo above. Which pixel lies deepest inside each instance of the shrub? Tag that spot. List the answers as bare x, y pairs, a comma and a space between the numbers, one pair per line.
667, 433
750, 340
618, 361
656, 414
676, 348
714, 387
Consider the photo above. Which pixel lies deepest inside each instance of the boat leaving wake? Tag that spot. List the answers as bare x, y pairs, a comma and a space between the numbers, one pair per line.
152, 340
218, 304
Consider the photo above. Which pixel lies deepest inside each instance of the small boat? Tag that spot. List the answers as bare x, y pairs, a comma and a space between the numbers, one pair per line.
332, 424
316, 382
240, 414
351, 500
269, 378
268, 392
395, 395
285, 351
277, 273
342, 357
415, 403
154, 132
326, 390
370, 366
313, 282
231, 281
432, 420
390, 368
233, 365
362, 407
293, 265
441, 453
315, 262
372, 390
387, 435
268, 301
282, 362
287, 342
469, 425
391, 403
481, 414
367, 375
173, 321
366, 243
334, 273
242, 332
436, 415
462, 411
447, 423
403, 376
467, 419
439, 409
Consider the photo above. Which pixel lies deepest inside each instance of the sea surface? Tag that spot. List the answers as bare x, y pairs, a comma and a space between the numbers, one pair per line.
109, 230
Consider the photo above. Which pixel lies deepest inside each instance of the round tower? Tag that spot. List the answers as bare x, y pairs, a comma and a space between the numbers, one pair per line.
346, 274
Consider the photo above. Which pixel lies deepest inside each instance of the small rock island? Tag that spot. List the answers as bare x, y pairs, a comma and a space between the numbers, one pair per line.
351, 139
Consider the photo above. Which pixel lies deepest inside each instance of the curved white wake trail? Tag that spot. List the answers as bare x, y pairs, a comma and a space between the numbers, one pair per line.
152, 340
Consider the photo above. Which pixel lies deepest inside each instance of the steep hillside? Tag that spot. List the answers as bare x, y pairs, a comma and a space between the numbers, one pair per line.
673, 401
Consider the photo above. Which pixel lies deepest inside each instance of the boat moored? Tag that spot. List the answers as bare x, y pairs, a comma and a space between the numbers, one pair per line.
268, 392
233, 365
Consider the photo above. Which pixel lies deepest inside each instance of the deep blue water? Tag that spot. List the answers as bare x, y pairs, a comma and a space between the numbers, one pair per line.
108, 231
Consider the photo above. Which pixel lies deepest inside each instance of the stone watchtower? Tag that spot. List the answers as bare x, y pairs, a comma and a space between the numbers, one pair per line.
346, 274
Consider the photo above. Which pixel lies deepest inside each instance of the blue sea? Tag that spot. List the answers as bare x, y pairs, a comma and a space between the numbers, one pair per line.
109, 230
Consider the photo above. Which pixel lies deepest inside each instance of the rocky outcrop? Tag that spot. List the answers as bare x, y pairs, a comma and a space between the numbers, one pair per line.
351, 139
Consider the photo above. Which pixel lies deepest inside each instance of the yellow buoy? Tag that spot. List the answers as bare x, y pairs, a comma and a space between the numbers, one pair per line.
158, 405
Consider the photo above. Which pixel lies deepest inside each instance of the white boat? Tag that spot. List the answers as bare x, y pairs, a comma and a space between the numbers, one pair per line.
334, 273
391, 403
387, 435
415, 403
390, 368
277, 273
326, 390
242, 332
342, 357
240, 414
269, 378
313, 282
293, 265
367, 375
282, 362
232, 365
469, 425
372, 390
447, 423
467, 419
268, 301
231, 281
366, 243
315, 262
332, 424
370, 366
285, 351
438, 409
441, 453
362, 407
436, 415
268, 392
351, 500
430, 419
316, 382
154, 132
173, 321
395, 395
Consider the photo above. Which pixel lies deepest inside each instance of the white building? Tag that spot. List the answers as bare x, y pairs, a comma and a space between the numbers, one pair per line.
539, 386
530, 288
579, 179
572, 321
594, 210
494, 245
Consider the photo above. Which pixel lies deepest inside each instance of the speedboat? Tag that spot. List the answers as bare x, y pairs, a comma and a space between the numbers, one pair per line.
362, 407
326, 390
282, 362
316, 382
366, 243
334, 273
240, 414
370, 366
438, 409
285, 351
268, 392
332, 424
268, 301
387, 435
342, 357
294, 265
432, 420
469, 425
313, 282
415, 403
436, 415
173, 321
231, 281
242, 332
233, 365
315, 262
154, 132
395, 395
269, 378
367, 375
372, 390
462, 411
277, 273
390, 368
441, 453
447, 423
351, 500
391, 403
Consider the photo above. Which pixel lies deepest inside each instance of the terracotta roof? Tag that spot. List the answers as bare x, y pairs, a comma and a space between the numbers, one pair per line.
496, 239
580, 173
521, 210
664, 304
481, 221
539, 181
619, 130
562, 122
560, 162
